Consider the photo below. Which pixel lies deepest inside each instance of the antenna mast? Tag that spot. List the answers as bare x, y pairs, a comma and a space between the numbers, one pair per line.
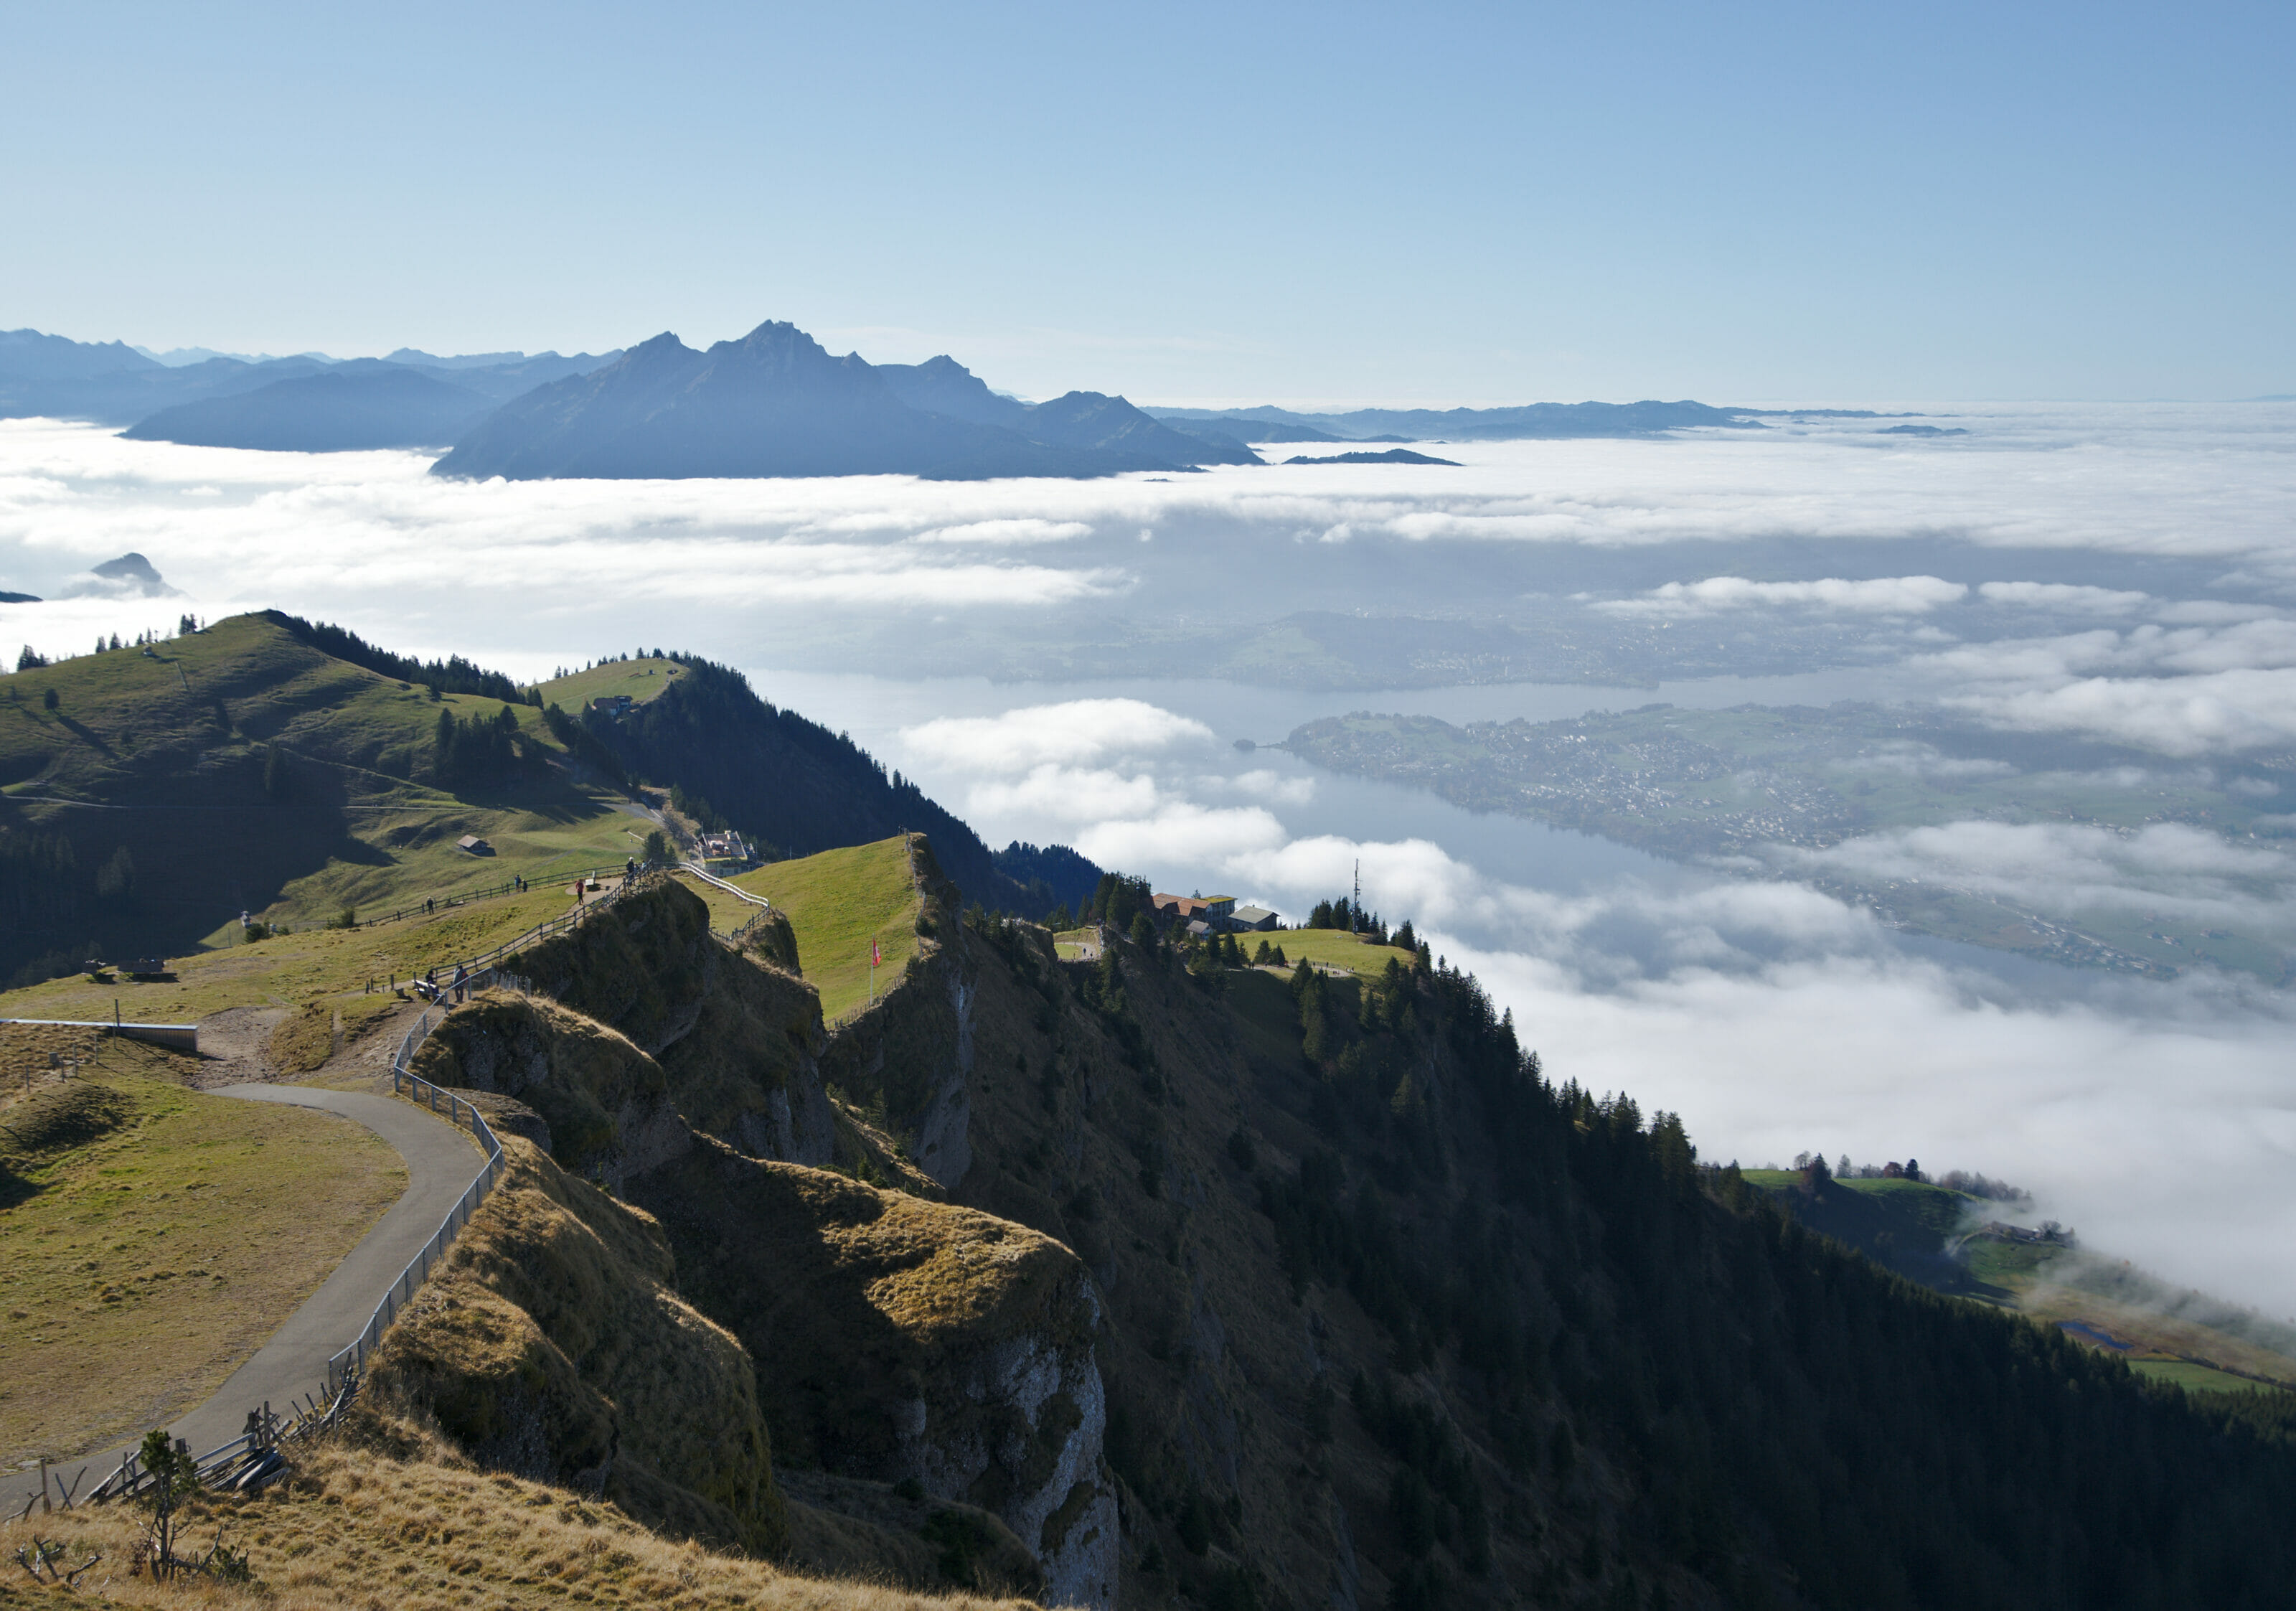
1358, 906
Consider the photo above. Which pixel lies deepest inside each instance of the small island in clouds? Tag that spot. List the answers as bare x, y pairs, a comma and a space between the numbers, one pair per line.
1393, 456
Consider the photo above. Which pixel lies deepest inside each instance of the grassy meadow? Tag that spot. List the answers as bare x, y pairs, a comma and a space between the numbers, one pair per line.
838, 902
1330, 947
154, 1235
241, 770
641, 679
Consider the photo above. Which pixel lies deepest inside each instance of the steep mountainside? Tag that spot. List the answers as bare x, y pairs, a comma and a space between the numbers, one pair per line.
942, 385
890, 1337
1392, 1317
1379, 1315
773, 403
796, 784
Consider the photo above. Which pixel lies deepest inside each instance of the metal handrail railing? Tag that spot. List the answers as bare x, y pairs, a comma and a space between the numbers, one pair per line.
350, 1361
734, 890
475, 973
252, 1457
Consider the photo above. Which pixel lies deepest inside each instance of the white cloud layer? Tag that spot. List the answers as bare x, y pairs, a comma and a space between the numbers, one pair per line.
2182, 874
1881, 595
2063, 596
1079, 730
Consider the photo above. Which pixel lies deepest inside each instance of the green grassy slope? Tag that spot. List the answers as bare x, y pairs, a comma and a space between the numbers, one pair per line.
641, 679
1332, 947
153, 1236
1904, 1224
2192, 1377
838, 902
163, 754
292, 969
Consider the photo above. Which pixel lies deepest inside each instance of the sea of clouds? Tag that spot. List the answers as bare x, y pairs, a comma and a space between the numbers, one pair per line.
2120, 573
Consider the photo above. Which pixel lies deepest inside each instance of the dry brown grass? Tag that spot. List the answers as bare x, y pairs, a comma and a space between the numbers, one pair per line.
152, 1236
357, 1528
554, 1318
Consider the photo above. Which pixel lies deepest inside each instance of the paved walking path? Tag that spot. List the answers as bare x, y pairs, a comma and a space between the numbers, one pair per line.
440, 1165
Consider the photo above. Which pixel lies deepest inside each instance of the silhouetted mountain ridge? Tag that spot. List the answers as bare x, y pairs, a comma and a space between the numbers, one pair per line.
332, 411
111, 383
777, 403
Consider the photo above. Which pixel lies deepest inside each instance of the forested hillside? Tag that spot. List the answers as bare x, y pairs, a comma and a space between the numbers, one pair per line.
802, 788
1394, 1319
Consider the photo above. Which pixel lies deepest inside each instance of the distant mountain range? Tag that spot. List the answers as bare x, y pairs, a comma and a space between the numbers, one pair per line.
372, 404
409, 400
774, 403
777, 403
1460, 424
1393, 456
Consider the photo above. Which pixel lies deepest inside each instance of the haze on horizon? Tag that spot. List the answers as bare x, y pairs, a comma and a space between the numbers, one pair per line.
1289, 204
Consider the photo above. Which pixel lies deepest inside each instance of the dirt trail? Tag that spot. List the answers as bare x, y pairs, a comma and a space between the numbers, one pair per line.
234, 1047
364, 1064
234, 1050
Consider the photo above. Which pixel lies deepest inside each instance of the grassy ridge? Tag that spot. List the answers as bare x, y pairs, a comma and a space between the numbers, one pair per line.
838, 902
641, 679
1332, 948
238, 769
154, 1235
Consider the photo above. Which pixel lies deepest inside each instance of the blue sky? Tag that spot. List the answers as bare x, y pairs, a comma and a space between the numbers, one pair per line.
1447, 204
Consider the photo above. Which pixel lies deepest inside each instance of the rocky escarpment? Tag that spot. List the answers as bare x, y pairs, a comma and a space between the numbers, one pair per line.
605, 1106
552, 1344
900, 1338
911, 1053
891, 1337
738, 1038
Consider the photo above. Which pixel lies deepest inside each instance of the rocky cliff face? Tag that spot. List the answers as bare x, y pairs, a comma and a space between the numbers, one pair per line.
900, 1338
738, 1041
890, 1336
553, 1344
606, 1104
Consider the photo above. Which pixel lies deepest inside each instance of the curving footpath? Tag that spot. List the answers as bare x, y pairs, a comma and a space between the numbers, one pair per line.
440, 1163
